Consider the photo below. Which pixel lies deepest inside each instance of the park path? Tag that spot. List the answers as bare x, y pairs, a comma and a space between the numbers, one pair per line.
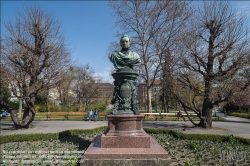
50, 126
232, 125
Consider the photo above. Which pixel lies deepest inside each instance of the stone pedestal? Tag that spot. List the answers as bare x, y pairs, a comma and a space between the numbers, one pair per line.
125, 143
125, 131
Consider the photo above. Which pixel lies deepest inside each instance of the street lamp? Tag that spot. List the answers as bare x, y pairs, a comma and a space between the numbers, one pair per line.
156, 91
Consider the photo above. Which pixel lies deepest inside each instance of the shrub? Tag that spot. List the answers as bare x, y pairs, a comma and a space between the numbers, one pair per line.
67, 109
52, 136
242, 115
37, 107
43, 109
27, 137
211, 137
15, 105
79, 107
57, 108
48, 136
100, 105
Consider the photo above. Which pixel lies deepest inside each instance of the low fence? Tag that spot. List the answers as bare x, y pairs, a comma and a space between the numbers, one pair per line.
172, 115
65, 116
102, 116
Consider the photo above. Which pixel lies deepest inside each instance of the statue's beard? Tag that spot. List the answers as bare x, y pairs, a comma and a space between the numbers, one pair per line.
125, 48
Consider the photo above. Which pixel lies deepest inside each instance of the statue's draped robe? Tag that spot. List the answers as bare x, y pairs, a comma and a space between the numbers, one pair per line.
121, 60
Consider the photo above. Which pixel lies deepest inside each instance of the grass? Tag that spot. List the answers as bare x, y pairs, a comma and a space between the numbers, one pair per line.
69, 149
240, 114
204, 152
64, 151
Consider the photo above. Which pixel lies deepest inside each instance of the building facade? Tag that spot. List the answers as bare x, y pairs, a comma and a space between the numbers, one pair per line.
142, 93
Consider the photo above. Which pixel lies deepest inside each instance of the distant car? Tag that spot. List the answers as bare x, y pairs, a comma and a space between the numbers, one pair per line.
4, 114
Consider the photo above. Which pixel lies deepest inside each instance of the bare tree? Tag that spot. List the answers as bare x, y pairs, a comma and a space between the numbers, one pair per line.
85, 86
168, 67
34, 52
65, 89
153, 26
241, 100
214, 64
4, 89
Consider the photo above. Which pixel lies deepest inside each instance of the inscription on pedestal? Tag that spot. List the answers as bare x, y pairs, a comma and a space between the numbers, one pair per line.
125, 90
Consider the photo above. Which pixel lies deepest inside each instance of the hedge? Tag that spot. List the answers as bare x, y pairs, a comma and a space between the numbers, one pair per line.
211, 137
238, 114
47, 136
176, 134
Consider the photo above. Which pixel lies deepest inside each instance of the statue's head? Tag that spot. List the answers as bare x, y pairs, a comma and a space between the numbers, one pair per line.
125, 42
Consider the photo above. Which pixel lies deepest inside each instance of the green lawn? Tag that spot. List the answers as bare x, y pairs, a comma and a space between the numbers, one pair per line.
204, 152
240, 114
68, 149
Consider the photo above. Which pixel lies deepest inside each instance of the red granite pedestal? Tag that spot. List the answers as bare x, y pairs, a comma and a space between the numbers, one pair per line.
125, 143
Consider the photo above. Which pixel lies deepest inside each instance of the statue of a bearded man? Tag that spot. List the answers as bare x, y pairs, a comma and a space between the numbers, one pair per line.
124, 58
124, 96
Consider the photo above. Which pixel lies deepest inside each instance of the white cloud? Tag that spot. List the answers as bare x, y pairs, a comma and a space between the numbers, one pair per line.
244, 6
105, 75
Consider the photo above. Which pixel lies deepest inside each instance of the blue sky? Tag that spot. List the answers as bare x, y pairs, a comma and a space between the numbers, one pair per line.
88, 26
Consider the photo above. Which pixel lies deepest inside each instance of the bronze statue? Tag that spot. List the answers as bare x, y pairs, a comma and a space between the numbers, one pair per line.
125, 57
124, 96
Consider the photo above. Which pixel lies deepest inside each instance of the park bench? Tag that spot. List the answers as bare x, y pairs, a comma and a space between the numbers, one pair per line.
101, 115
171, 114
158, 115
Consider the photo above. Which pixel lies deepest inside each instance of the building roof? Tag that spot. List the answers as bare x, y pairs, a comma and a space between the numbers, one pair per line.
156, 82
105, 84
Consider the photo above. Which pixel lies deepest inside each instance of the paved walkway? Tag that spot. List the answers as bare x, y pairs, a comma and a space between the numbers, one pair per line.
233, 125
50, 126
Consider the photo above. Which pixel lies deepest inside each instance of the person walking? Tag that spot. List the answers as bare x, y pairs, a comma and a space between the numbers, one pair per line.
96, 114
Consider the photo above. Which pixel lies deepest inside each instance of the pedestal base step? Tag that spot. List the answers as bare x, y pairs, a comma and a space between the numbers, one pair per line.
126, 162
142, 141
153, 156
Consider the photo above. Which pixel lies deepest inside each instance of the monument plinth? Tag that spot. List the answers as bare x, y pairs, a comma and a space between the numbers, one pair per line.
125, 131
125, 142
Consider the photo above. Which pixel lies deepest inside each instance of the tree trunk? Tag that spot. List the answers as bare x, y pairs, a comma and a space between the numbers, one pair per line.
149, 103
206, 117
164, 105
28, 116
78, 102
85, 106
20, 107
14, 117
29, 113
47, 100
